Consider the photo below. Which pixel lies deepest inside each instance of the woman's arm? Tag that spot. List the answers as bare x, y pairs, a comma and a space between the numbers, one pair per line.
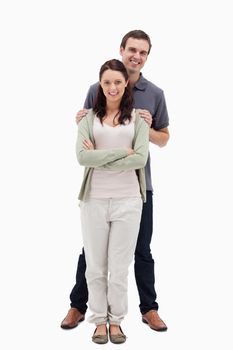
94, 158
141, 148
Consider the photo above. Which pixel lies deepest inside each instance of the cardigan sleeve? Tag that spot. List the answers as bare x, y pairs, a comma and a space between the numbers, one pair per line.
141, 148
94, 158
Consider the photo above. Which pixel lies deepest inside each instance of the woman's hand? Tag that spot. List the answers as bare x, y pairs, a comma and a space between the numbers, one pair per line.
88, 145
130, 151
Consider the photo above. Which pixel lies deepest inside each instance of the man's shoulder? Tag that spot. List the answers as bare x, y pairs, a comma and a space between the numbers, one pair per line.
155, 88
93, 87
91, 94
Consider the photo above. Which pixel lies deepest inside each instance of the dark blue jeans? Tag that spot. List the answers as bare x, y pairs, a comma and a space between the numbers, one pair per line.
143, 267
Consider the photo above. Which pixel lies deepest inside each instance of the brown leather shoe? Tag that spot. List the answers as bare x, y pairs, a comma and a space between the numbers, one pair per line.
154, 321
72, 319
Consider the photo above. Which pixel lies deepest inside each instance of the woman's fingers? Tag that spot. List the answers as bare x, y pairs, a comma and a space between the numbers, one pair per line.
87, 144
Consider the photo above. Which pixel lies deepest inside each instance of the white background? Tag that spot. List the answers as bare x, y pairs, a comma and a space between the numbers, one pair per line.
51, 52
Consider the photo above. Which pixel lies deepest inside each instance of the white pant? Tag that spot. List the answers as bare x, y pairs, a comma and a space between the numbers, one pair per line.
110, 229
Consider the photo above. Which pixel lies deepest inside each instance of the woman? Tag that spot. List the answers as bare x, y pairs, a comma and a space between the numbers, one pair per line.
113, 146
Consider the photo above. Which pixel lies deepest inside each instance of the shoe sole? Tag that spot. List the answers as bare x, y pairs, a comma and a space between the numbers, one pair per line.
118, 342
66, 327
154, 329
101, 342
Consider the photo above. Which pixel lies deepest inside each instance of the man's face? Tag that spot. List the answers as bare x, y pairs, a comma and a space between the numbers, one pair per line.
135, 54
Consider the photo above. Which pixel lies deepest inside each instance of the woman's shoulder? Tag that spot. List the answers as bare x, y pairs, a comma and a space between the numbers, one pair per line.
136, 116
90, 115
139, 121
88, 119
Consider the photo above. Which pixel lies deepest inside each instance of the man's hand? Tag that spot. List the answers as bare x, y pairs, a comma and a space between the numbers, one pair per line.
145, 114
80, 115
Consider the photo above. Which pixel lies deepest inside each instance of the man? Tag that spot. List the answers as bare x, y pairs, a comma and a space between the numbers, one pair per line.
134, 50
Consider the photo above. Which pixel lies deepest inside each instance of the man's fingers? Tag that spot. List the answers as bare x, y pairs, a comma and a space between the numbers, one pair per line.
146, 116
80, 115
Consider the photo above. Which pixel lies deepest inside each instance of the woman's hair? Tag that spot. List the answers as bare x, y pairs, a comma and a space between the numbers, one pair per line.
126, 104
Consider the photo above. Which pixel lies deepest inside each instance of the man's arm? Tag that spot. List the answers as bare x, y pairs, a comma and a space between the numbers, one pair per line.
159, 137
159, 134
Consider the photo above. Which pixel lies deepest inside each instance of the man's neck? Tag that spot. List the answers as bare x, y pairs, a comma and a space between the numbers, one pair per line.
133, 78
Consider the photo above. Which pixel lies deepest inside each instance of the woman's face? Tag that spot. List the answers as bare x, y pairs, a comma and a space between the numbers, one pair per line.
113, 84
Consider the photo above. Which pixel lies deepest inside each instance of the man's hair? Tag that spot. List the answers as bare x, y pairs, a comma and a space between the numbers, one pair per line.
136, 34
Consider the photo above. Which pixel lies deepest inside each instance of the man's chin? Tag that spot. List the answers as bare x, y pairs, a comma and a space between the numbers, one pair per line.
132, 70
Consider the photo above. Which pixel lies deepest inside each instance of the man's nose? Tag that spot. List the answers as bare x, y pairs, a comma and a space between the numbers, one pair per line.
137, 54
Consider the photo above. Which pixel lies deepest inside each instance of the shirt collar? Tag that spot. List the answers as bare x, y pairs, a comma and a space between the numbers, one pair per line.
141, 84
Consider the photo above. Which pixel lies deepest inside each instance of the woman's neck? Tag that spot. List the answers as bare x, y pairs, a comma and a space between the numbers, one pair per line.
112, 114
112, 109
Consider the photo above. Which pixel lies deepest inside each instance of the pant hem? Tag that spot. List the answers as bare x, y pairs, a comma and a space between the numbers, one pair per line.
145, 311
82, 311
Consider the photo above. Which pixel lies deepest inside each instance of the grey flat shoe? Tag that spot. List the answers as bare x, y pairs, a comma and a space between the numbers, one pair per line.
117, 338
100, 339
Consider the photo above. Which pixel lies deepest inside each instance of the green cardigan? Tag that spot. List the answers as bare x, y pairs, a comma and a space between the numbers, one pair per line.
112, 159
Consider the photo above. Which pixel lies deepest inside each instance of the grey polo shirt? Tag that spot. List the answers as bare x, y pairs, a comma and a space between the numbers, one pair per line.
146, 96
